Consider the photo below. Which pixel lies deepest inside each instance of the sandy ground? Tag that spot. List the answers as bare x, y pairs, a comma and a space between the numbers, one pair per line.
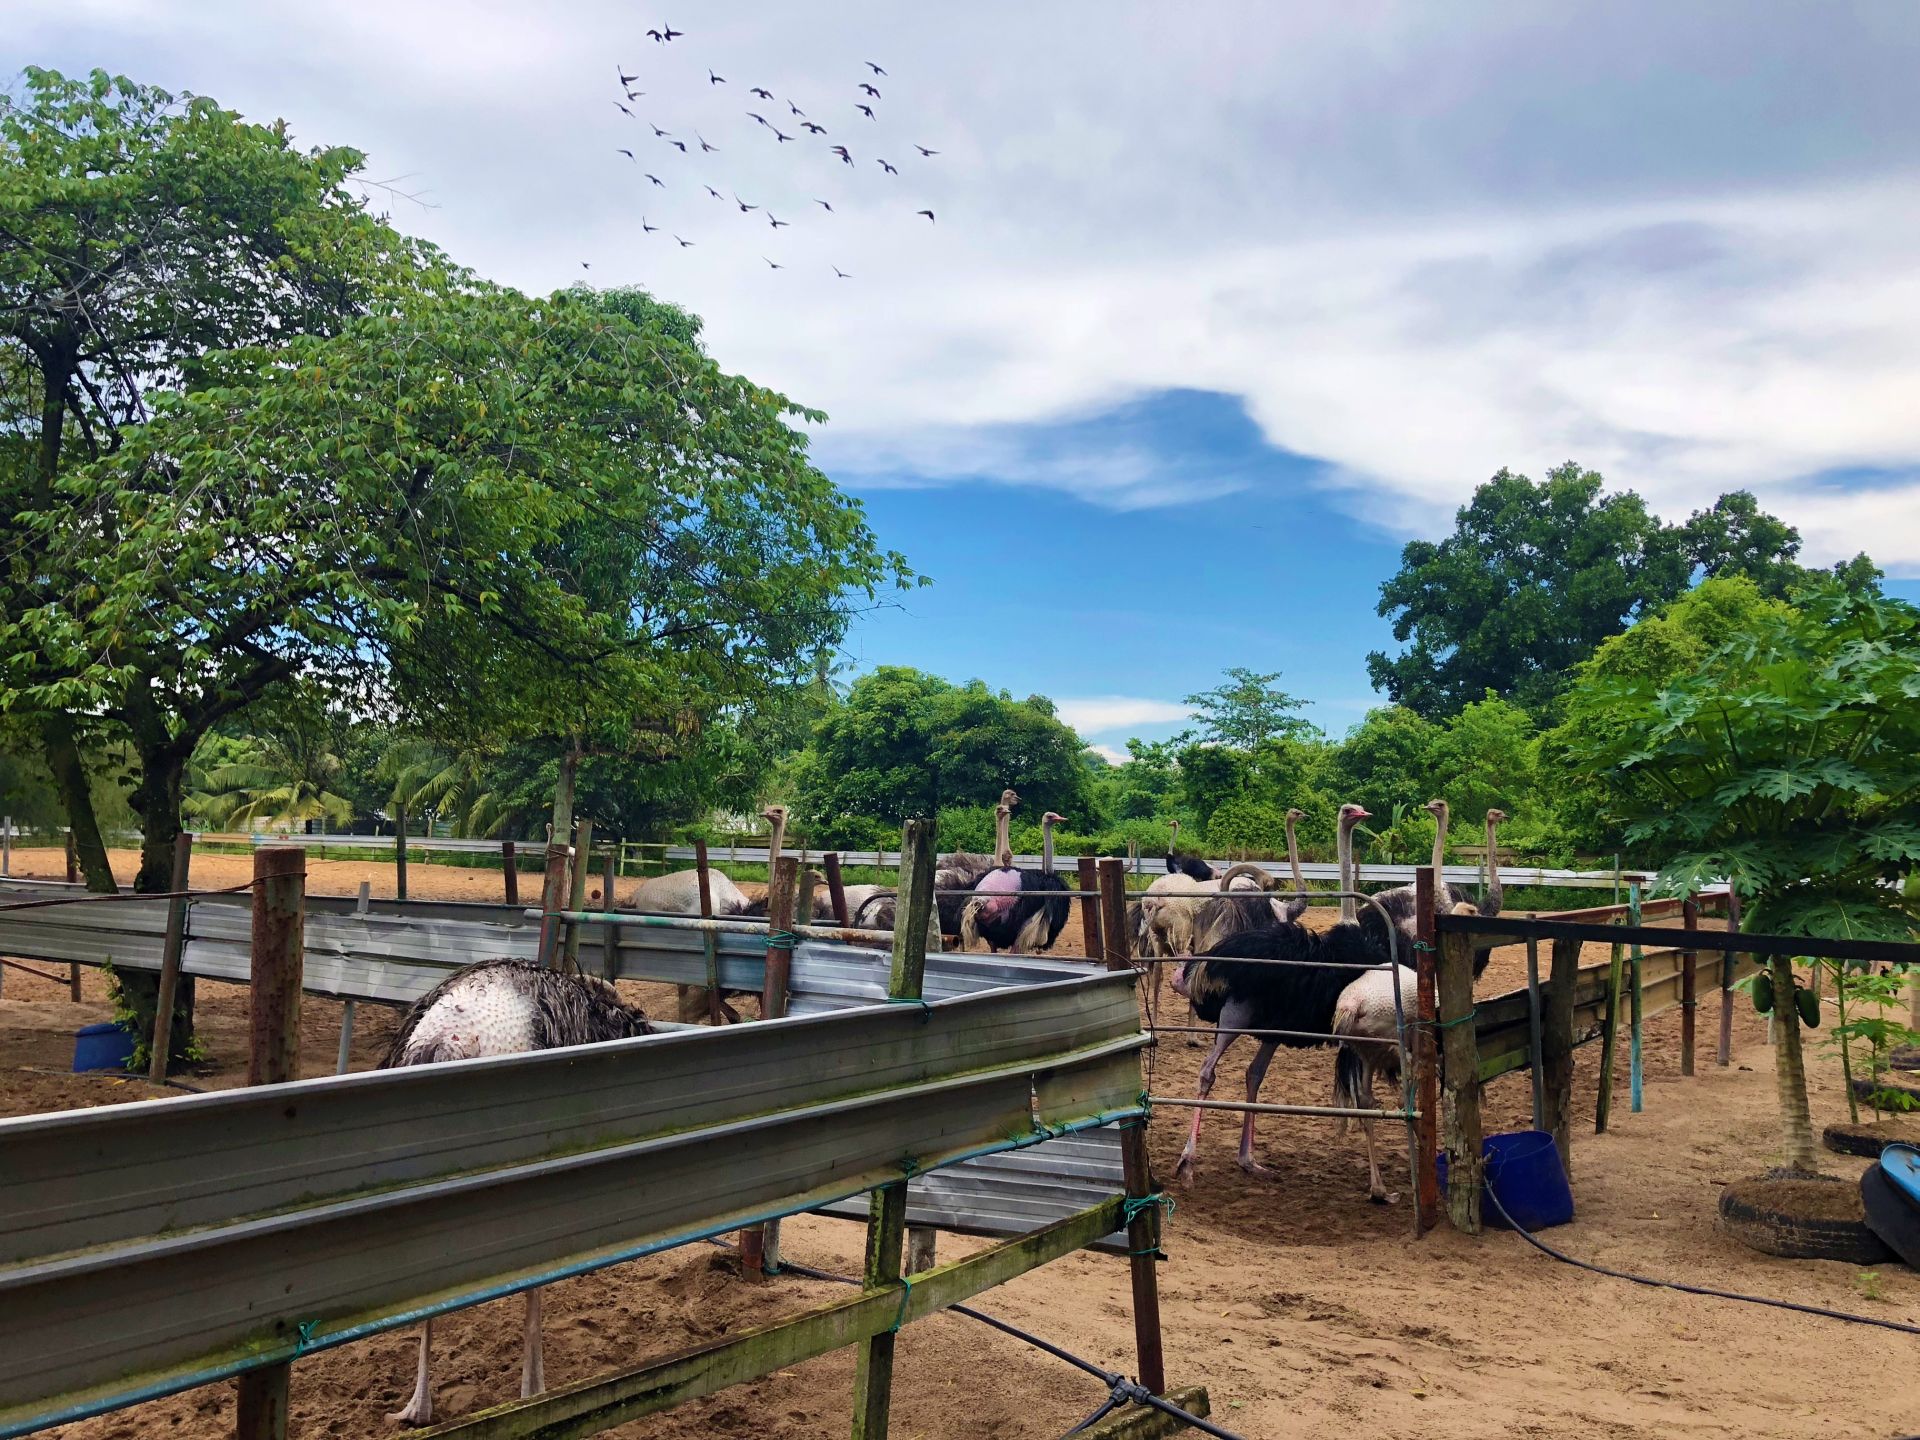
1307, 1311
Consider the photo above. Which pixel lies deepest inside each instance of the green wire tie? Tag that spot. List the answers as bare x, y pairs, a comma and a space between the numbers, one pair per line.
1457, 1020
906, 1296
304, 1336
1134, 1205
781, 939
926, 1009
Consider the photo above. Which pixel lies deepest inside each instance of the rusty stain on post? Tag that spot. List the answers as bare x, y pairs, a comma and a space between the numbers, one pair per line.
836, 888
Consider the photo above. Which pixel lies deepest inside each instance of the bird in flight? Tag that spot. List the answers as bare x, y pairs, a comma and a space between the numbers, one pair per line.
646, 229
816, 129
886, 167
684, 244
629, 154
841, 273
679, 145
660, 134
841, 151
625, 79
869, 89
796, 110
925, 151
623, 109
866, 110
778, 224
775, 266
655, 35
703, 143
761, 118
928, 214
714, 193
713, 79
777, 135
744, 207
824, 206
658, 181
672, 34
763, 94
875, 68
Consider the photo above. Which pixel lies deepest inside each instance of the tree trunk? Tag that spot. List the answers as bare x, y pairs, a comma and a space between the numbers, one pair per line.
563, 795
156, 800
62, 749
1790, 1070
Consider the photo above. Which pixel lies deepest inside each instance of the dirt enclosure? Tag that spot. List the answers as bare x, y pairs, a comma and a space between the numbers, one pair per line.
1307, 1311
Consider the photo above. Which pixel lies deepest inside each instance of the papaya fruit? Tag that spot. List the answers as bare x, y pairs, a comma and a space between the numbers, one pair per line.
1809, 1006
1763, 993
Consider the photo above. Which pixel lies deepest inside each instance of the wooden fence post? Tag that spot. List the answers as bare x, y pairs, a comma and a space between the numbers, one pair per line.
171, 950
760, 1244
1114, 933
6, 844
836, 888
1609, 1039
577, 895
400, 851
510, 871
273, 1058
1727, 962
610, 941
1091, 944
1636, 1067
1556, 1046
693, 999
1536, 1039
1462, 1139
1426, 1067
553, 894
1689, 1000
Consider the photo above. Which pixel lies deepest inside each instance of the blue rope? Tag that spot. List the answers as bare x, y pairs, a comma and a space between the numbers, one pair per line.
906, 1295
781, 939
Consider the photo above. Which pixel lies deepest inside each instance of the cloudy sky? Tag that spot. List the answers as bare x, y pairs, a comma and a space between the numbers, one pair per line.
1221, 305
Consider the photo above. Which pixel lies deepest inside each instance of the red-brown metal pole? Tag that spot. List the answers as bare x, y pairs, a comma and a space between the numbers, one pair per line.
1426, 1068
1090, 937
1113, 914
1688, 1000
510, 871
273, 1058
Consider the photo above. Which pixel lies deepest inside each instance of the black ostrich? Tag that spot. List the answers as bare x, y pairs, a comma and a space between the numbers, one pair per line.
1181, 862
1018, 910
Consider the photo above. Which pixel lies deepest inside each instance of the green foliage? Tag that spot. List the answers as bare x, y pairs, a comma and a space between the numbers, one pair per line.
1388, 759
905, 743
1245, 710
1145, 787
1783, 761
1869, 1000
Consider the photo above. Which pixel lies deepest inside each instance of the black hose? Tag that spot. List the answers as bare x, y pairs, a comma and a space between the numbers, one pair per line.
1564, 1258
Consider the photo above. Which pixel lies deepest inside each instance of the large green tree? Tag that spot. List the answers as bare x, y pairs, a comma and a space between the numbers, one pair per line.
138, 233
1246, 709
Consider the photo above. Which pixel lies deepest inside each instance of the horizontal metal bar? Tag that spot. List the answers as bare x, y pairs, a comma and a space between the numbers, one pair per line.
1505, 930
1143, 960
1265, 1034
1330, 1112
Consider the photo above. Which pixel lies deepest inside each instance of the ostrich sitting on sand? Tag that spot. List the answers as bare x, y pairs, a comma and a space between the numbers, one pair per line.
504, 1007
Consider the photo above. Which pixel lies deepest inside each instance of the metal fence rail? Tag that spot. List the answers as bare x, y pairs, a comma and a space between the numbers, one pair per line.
159, 1246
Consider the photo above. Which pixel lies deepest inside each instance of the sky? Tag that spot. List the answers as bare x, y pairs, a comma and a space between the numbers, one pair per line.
1219, 306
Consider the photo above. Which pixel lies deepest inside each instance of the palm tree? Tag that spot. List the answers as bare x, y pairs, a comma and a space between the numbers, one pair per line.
263, 780
428, 782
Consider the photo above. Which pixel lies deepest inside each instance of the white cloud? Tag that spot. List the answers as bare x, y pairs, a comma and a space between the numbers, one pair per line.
1418, 248
1097, 714
1112, 754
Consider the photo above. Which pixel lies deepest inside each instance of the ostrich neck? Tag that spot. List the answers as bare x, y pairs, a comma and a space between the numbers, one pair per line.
1002, 845
1493, 869
1293, 858
1046, 846
775, 842
1349, 907
1439, 844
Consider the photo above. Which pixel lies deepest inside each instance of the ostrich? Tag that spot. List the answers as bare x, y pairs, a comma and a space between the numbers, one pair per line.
504, 1007
679, 893
1211, 921
1400, 902
1297, 997
953, 874
1016, 909
1180, 862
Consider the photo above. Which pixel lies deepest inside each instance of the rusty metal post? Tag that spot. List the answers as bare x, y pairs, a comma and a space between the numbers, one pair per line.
610, 945
400, 851
1727, 961
510, 871
273, 1058
1090, 935
553, 894
1426, 1067
836, 888
170, 954
1689, 1001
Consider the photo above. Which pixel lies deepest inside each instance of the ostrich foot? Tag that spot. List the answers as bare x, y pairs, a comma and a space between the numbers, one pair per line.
1254, 1167
418, 1411
1384, 1197
1183, 1171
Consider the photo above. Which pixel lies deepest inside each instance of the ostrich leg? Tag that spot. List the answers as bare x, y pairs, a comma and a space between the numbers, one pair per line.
1233, 1018
533, 1374
419, 1410
1256, 1072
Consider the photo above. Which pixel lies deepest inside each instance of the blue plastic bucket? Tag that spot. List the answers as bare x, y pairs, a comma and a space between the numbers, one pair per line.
1524, 1171
106, 1046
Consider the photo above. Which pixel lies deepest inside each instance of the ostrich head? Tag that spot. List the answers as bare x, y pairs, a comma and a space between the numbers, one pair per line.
1009, 799
1052, 818
1296, 816
1435, 808
1174, 839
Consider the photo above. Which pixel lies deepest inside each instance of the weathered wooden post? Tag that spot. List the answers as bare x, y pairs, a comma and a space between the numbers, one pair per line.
73, 858
1727, 962
1690, 919
836, 888
1636, 1005
577, 895
172, 948
1536, 1043
510, 871
693, 1000
760, 1244
1090, 928
1556, 1046
610, 940
1426, 1063
273, 1058
1461, 1137
400, 851
553, 895
1609, 1039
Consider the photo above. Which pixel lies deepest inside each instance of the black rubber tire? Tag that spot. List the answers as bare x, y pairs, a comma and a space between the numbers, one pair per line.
1892, 1216
1840, 1140
1798, 1238
1905, 1059
1901, 1083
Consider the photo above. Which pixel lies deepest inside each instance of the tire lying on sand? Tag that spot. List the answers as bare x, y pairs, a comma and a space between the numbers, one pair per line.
1800, 1217
1869, 1140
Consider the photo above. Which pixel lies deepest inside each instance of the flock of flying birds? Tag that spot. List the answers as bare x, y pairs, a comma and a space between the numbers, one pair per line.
668, 143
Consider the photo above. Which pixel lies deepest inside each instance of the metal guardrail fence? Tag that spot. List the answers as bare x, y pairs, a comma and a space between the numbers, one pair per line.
230, 1232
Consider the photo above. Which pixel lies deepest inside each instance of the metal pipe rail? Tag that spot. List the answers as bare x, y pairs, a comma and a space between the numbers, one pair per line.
1502, 930
1260, 1107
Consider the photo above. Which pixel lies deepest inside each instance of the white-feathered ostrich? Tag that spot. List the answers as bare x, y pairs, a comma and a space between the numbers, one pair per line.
504, 1007
1239, 996
1181, 862
954, 876
1012, 909
679, 893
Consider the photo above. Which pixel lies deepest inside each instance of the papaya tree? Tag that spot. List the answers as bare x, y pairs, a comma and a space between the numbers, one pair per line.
1783, 763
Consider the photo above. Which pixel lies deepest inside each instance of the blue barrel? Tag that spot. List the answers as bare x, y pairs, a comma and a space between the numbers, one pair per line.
1524, 1170
106, 1046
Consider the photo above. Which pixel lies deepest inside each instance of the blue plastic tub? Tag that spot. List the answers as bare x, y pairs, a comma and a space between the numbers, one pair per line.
106, 1046
1524, 1171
